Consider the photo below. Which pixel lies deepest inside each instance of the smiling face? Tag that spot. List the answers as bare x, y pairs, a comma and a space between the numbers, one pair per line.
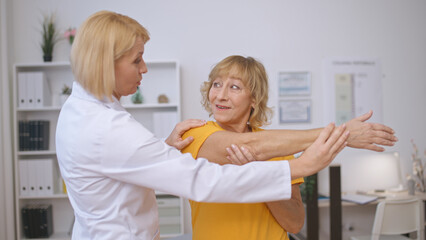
247, 72
129, 69
231, 103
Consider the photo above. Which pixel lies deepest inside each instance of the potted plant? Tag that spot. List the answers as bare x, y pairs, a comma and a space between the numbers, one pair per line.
70, 34
49, 37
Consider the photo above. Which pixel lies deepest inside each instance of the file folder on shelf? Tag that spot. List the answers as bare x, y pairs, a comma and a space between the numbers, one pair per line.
30, 91
22, 90
46, 167
38, 177
33, 135
42, 96
37, 220
32, 177
33, 90
23, 178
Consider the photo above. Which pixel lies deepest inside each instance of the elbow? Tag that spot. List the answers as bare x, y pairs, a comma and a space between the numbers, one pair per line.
295, 227
296, 223
299, 222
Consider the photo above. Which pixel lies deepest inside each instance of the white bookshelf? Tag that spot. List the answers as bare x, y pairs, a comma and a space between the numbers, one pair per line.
163, 77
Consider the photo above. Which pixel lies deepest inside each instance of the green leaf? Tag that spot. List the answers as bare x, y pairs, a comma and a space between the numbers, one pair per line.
49, 35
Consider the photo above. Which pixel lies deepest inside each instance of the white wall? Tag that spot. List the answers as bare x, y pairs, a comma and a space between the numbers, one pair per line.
283, 34
7, 220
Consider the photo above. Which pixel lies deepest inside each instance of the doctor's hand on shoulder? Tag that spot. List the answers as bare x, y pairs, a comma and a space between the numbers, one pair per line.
175, 137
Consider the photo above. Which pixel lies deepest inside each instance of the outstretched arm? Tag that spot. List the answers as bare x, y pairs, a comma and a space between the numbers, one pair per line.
330, 141
264, 145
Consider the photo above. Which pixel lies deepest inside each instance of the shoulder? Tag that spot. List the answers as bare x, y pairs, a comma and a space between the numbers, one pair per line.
206, 130
200, 134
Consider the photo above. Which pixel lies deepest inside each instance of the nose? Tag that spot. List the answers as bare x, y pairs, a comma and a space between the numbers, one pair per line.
223, 93
143, 68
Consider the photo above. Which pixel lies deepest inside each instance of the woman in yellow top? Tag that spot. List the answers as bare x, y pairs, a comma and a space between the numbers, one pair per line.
236, 95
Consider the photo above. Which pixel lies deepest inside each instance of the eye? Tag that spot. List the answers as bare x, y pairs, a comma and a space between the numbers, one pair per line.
138, 60
235, 87
216, 84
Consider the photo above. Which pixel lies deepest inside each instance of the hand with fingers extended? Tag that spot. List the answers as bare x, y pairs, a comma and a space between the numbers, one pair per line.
319, 155
369, 135
175, 137
239, 155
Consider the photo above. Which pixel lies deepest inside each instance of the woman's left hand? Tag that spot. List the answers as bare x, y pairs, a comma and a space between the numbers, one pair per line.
239, 155
175, 138
369, 135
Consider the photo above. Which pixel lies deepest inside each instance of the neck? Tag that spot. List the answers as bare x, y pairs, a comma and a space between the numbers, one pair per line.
240, 128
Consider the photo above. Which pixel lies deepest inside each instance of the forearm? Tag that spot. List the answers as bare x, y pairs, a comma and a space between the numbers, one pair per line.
290, 214
263, 145
275, 143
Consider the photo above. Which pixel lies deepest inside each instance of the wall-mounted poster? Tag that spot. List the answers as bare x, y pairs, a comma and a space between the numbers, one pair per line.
295, 111
294, 83
351, 87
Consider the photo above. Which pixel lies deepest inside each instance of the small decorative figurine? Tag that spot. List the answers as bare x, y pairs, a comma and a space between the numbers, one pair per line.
163, 98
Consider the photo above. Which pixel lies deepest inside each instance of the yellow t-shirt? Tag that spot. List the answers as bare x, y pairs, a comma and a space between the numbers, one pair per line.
222, 221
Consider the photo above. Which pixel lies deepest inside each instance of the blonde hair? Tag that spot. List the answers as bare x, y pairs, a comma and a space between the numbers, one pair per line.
102, 39
253, 75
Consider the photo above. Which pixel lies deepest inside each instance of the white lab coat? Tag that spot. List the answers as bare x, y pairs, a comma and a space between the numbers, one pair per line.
111, 164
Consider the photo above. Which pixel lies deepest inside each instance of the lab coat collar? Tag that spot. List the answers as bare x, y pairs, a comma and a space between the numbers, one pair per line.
80, 92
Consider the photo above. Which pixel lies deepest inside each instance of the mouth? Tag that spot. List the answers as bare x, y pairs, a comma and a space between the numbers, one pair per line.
222, 107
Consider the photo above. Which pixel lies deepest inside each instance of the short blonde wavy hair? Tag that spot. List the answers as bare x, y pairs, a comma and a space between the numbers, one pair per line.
102, 39
253, 74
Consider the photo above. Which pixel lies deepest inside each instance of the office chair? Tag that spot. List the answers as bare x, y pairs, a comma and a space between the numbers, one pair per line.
396, 217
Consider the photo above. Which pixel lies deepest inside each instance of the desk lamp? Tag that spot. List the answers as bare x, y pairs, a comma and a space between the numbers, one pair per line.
372, 173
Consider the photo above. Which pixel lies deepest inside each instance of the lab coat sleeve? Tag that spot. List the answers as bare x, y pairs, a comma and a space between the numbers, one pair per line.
133, 155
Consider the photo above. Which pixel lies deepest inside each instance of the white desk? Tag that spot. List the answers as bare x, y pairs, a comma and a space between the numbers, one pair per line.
357, 218
382, 196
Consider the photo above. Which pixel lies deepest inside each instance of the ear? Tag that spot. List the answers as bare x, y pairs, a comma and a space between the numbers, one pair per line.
253, 103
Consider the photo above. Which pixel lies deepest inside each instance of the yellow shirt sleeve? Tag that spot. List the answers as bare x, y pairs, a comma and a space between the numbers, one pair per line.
200, 134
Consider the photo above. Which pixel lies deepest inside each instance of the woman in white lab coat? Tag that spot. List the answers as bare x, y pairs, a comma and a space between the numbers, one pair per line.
111, 164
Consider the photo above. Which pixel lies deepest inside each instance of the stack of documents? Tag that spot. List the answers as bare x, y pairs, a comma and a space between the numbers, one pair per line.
358, 198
